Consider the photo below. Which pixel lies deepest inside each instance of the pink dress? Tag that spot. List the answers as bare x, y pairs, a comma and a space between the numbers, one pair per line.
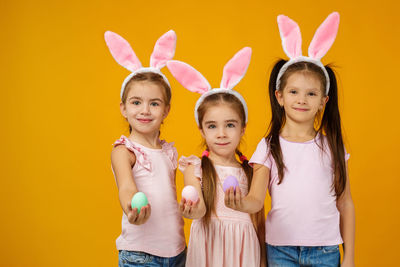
230, 238
154, 174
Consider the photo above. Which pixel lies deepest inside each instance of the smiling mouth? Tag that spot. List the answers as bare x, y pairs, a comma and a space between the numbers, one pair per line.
222, 144
300, 109
144, 120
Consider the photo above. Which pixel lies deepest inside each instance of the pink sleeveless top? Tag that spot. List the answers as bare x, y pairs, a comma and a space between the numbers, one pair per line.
154, 174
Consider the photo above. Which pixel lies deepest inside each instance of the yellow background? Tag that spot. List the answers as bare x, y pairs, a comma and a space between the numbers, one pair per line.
60, 111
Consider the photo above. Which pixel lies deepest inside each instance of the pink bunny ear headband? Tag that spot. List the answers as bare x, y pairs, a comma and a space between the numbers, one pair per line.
122, 52
194, 81
319, 46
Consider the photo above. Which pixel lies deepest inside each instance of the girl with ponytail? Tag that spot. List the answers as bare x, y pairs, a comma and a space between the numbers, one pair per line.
219, 236
302, 160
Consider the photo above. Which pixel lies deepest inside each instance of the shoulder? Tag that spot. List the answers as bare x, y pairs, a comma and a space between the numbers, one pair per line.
122, 153
262, 148
189, 161
191, 164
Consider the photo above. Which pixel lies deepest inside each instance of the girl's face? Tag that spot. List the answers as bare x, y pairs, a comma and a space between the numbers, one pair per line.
302, 97
145, 107
222, 130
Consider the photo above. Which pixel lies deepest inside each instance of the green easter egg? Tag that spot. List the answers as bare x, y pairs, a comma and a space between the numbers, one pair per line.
139, 200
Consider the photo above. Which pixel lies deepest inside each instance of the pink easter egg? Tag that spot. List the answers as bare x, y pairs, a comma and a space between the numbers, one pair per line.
190, 193
229, 182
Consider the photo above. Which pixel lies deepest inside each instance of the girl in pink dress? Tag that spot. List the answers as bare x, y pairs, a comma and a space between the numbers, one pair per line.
219, 236
152, 236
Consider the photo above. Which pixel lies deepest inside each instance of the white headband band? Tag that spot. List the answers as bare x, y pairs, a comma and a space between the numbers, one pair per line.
319, 46
217, 91
122, 52
194, 81
142, 70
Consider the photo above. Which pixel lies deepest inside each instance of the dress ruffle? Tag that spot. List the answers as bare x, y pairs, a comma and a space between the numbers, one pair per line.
141, 156
191, 160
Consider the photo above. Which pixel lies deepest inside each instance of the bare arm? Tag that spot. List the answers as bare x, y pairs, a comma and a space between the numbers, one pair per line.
347, 224
254, 201
122, 161
189, 209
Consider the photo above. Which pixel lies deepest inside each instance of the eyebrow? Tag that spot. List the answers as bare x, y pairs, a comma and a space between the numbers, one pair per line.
139, 98
232, 120
156, 99
308, 89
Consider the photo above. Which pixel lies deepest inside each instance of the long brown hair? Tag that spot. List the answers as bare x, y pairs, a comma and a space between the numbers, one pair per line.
329, 125
150, 77
209, 175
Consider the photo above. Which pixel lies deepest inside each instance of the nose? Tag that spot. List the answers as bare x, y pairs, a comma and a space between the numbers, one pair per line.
301, 99
221, 132
145, 109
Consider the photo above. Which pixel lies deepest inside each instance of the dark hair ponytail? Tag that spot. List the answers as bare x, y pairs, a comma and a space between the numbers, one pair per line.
332, 128
277, 121
209, 180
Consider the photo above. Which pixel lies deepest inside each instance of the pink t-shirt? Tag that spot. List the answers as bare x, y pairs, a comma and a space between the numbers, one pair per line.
303, 207
154, 174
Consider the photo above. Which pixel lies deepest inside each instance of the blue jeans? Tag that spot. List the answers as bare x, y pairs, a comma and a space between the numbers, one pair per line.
138, 258
292, 256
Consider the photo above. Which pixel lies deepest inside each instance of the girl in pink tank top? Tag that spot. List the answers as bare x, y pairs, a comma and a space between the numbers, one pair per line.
143, 163
302, 160
219, 236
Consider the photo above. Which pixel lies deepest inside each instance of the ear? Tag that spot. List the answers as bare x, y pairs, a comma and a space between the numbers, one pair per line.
164, 50
236, 68
278, 96
166, 111
122, 51
123, 109
324, 100
243, 131
202, 133
324, 36
290, 36
188, 77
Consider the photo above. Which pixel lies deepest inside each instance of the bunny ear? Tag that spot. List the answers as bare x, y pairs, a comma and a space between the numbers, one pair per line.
324, 36
190, 78
290, 35
164, 50
122, 51
235, 69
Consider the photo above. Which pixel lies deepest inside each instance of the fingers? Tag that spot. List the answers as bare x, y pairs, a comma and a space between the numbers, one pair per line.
182, 205
144, 214
132, 215
233, 199
227, 202
238, 198
137, 218
188, 208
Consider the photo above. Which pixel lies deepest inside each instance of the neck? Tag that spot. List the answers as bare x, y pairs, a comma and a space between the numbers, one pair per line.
298, 131
150, 140
224, 160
